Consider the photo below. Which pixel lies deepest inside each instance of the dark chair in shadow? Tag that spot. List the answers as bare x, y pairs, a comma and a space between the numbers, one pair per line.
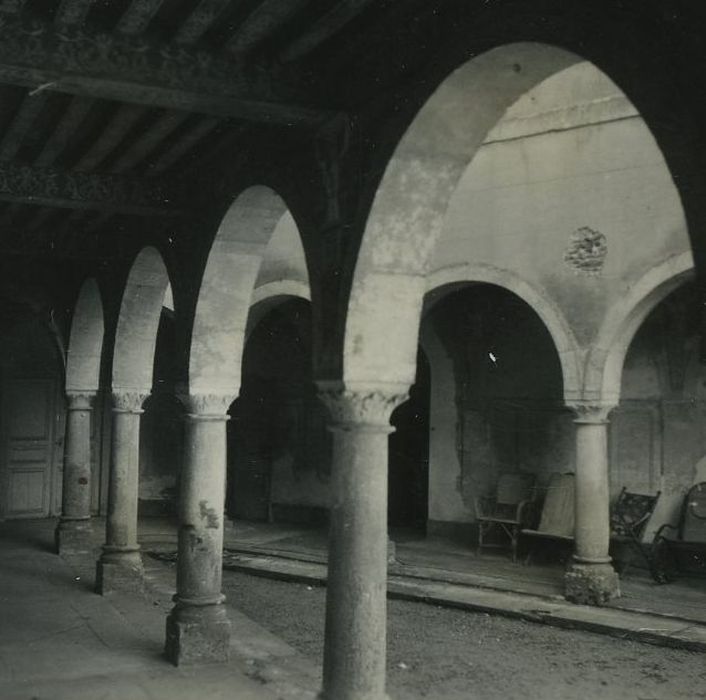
628, 519
682, 547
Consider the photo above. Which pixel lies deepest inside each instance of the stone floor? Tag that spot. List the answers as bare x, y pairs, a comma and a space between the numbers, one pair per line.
448, 572
60, 640
455, 561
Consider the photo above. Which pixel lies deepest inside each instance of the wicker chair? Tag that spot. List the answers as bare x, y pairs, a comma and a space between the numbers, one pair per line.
507, 511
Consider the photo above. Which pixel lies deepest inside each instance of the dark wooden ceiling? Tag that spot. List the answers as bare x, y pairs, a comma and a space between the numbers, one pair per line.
101, 99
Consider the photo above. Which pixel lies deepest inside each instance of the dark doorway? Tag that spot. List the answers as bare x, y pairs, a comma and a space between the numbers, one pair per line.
277, 440
408, 449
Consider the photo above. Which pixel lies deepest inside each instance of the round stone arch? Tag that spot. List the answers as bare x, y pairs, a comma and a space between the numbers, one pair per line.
408, 210
407, 213
440, 282
227, 290
267, 296
83, 360
605, 360
138, 322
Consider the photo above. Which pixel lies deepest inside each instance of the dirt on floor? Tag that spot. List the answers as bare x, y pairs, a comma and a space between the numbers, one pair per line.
444, 654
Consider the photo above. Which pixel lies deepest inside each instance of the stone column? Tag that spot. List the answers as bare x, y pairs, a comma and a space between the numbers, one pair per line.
120, 564
198, 629
356, 601
590, 578
73, 533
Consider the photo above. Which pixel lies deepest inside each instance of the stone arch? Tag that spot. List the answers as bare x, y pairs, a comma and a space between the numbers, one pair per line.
408, 211
227, 290
604, 363
83, 362
407, 214
267, 296
138, 322
444, 280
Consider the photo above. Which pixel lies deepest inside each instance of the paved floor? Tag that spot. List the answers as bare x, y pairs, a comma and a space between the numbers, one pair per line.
454, 561
60, 640
448, 572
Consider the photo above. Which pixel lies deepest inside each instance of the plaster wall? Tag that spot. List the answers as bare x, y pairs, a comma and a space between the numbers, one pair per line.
484, 424
284, 256
570, 154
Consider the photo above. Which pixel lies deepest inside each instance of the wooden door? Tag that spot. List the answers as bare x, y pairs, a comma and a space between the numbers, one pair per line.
28, 417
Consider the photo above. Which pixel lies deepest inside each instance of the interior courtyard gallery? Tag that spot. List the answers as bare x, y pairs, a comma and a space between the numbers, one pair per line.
353, 265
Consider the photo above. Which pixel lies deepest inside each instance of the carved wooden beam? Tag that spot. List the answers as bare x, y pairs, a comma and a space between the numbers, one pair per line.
75, 190
133, 69
72, 12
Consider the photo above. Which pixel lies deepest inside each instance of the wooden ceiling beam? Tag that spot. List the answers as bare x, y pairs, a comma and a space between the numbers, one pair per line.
68, 125
134, 70
74, 190
184, 144
267, 17
138, 15
121, 122
144, 144
200, 21
28, 111
323, 28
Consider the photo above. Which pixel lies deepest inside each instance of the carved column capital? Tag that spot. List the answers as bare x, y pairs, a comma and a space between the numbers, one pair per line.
128, 401
358, 405
207, 406
591, 413
80, 399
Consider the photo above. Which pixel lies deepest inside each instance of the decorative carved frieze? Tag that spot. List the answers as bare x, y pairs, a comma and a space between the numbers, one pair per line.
128, 401
370, 405
131, 68
80, 400
595, 413
78, 190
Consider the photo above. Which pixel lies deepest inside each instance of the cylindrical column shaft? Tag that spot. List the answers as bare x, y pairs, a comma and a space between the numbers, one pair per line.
592, 493
356, 602
591, 578
73, 532
120, 565
198, 629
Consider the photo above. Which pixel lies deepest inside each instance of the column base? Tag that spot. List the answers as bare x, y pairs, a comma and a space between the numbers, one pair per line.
73, 537
120, 571
352, 695
197, 635
591, 584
